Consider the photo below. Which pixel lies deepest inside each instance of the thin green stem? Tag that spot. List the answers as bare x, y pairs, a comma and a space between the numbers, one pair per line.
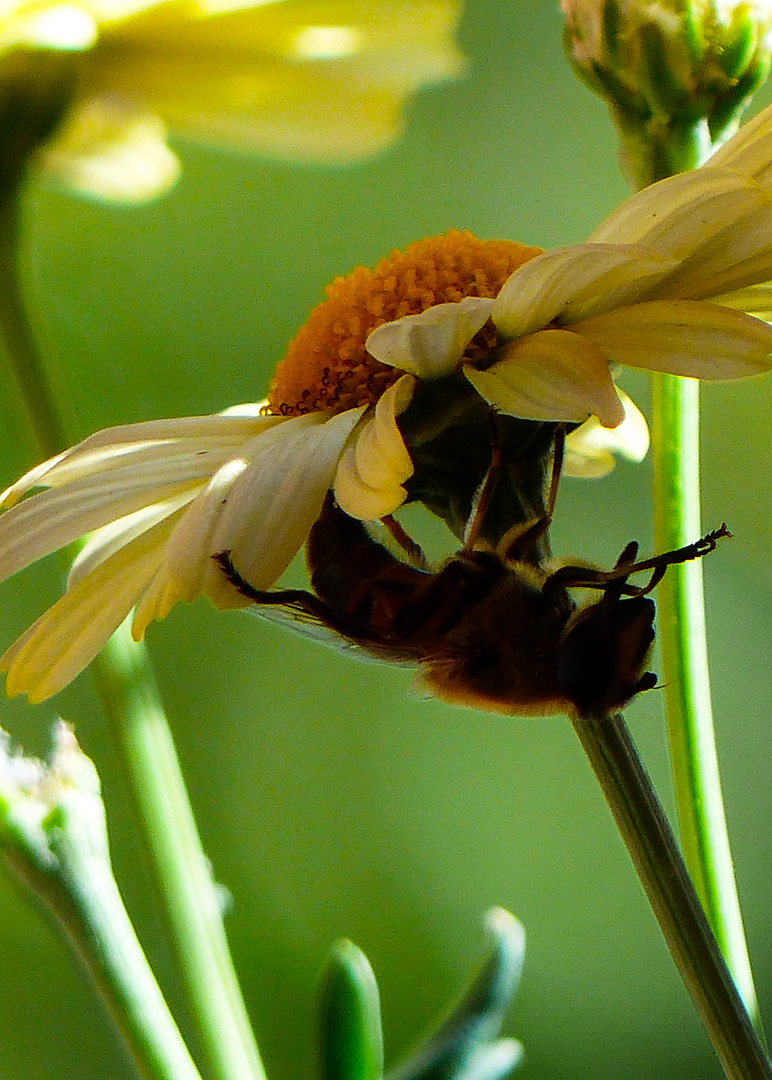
663, 874
130, 699
101, 935
694, 761
131, 702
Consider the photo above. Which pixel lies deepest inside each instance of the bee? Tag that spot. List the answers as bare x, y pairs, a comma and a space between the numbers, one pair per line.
494, 628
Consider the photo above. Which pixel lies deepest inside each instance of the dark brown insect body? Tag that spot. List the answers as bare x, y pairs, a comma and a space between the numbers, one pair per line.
489, 629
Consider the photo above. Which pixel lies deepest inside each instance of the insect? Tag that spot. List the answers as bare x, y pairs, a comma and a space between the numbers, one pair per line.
493, 628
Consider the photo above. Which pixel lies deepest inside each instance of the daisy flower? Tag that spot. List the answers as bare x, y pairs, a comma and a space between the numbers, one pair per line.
675, 280
322, 82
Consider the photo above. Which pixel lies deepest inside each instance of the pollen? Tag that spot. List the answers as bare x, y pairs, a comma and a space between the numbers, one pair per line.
327, 365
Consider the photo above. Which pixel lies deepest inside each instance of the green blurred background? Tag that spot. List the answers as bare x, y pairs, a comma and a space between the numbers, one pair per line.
331, 801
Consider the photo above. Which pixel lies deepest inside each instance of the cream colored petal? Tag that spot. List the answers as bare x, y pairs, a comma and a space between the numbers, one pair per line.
52, 519
677, 215
358, 499
546, 286
430, 345
68, 636
591, 448
374, 467
754, 300
187, 563
154, 440
550, 375
277, 498
111, 538
683, 337
739, 255
110, 152
749, 152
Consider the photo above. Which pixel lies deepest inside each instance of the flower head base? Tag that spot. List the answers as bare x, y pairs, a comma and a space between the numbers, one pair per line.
320, 83
384, 411
676, 73
328, 365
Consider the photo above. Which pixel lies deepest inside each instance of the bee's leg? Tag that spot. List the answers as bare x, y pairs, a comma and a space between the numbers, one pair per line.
520, 539
405, 541
296, 599
484, 493
586, 577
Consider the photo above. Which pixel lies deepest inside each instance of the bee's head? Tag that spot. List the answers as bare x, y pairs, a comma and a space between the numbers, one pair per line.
604, 651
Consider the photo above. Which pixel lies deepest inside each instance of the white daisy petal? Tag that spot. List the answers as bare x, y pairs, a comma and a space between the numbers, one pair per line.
683, 337
431, 344
149, 441
541, 289
188, 555
277, 498
550, 375
111, 538
53, 519
370, 475
591, 448
70, 634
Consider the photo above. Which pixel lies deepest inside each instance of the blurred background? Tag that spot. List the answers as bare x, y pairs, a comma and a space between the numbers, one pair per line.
331, 800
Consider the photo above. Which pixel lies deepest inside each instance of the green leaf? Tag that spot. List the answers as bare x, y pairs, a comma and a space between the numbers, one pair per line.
351, 1042
465, 1046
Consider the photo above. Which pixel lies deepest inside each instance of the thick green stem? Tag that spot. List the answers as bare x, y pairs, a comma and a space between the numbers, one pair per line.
653, 849
131, 702
694, 761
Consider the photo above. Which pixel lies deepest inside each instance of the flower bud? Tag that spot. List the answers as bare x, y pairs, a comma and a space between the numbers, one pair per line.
677, 74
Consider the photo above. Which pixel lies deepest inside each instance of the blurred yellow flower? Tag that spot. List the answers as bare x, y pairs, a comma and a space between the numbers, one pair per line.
321, 81
672, 281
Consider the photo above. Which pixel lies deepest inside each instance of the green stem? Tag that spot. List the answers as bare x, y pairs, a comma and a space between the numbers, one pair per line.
704, 834
663, 874
681, 605
99, 930
130, 699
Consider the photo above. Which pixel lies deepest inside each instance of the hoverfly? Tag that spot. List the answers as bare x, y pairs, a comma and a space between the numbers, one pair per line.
493, 628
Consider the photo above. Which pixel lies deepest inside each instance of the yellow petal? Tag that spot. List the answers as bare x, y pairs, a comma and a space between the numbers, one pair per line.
550, 375
542, 289
109, 151
683, 337
69, 635
591, 448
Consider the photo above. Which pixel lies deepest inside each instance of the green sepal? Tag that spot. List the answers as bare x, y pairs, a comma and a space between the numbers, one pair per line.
728, 110
350, 1036
465, 1045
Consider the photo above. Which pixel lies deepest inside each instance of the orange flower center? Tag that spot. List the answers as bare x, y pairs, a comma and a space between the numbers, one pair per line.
327, 365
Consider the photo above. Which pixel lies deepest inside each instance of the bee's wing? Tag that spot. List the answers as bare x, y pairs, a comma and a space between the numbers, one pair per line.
306, 624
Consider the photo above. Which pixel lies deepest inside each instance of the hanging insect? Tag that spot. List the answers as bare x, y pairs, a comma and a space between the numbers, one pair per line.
494, 628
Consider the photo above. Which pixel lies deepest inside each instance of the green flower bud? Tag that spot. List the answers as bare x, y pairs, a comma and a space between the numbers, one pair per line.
677, 74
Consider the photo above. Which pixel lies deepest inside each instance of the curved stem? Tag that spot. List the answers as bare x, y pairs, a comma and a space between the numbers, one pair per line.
653, 849
131, 703
694, 760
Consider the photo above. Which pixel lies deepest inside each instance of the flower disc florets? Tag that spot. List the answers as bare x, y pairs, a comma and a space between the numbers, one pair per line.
327, 365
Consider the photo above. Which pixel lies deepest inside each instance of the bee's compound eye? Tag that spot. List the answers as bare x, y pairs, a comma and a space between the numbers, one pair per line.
600, 660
